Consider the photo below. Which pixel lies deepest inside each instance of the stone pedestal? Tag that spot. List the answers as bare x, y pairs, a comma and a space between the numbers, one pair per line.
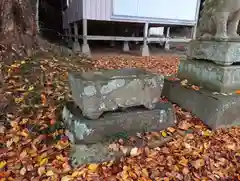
217, 111
209, 65
213, 77
82, 130
220, 52
107, 90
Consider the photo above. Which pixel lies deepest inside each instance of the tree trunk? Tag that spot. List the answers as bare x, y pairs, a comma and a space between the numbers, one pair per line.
18, 36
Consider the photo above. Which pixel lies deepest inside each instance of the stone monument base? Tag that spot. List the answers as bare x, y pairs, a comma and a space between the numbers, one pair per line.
220, 52
216, 111
210, 76
82, 130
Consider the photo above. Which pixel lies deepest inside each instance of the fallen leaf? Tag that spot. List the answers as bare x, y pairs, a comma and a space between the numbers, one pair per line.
171, 129
198, 163
237, 91
185, 170
41, 171
194, 87
93, 167
67, 178
207, 133
2, 164
44, 99
43, 162
164, 134
23, 171
183, 161
134, 152
184, 125
184, 82
18, 99
50, 173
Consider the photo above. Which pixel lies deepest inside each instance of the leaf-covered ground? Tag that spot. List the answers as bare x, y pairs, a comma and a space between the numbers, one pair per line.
33, 146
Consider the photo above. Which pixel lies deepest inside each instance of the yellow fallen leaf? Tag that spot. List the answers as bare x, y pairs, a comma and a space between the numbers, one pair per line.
24, 121
23, 62
18, 100
164, 134
93, 167
21, 89
24, 133
79, 173
3, 164
207, 133
16, 139
30, 88
15, 65
145, 173
183, 161
43, 162
62, 144
61, 158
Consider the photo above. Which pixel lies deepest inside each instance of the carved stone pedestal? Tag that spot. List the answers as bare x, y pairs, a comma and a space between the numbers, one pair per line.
107, 90
217, 111
210, 66
206, 74
220, 52
82, 130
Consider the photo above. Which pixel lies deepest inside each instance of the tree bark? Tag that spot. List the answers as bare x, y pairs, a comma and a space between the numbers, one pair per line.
18, 35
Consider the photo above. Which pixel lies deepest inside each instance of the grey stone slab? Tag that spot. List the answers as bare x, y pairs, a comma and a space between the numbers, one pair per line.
220, 52
92, 153
107, 90
216, 111
210, 76
129, 121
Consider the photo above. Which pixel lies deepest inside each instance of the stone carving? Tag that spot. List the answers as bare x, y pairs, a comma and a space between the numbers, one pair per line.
219, 20
107, 90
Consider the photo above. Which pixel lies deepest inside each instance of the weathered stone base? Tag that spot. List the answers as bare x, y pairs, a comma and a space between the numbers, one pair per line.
220, 52
214, 110
96, 92
93, 153
129, 121
209, 75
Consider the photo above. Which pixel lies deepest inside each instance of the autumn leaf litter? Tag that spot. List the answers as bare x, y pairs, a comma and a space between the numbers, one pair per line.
33, 145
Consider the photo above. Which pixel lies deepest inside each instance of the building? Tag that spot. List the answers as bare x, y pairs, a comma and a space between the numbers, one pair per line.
124, 20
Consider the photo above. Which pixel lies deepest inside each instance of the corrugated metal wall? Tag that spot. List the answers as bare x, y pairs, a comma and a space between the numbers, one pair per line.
97, 9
